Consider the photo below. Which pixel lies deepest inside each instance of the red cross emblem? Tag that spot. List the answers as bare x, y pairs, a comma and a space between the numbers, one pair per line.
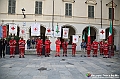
49, 30
12, 28
22, 31
75, 39
35, 29
65, 33
102, 32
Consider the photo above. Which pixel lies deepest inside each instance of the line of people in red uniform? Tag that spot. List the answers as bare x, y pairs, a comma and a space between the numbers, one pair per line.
94, 46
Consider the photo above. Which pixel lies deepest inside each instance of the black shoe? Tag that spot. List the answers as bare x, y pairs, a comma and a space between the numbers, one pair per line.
19, 56
55, 56
23, 57
66, 55
63, 55
13, 56
4, 57
10, 56
58, 55
45, 56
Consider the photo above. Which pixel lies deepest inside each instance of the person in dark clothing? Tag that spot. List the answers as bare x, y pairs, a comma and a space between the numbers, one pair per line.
2, 47
28, 43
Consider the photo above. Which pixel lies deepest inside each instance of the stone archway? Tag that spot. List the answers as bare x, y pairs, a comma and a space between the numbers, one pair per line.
72, 31
93, 33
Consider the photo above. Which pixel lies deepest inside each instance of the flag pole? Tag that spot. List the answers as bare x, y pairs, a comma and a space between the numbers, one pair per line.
112, 30
53, 18
101, 13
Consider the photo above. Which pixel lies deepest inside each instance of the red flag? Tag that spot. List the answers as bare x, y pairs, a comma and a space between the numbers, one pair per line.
89, 34
110, 34
4, 31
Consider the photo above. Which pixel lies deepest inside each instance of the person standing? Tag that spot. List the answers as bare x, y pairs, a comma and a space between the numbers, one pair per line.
28, 43
21, 48
12, 44
83, 47
33, 43
73, 49
88, 49
95, 48
39, 46
105, 47
47, 47
58, 43
101, 47
64, 46
3, 44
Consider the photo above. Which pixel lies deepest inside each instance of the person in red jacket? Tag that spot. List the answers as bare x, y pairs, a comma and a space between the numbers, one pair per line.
95, 48
58, 43
64, 46
39, 46
101, 47
47, 47
88, 49
105, 47
21, 47
73, 49
12, 44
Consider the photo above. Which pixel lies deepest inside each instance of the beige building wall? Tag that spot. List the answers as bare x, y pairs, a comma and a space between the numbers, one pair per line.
79, 19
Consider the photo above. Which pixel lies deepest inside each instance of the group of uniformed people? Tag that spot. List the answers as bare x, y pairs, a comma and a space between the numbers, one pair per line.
103, 47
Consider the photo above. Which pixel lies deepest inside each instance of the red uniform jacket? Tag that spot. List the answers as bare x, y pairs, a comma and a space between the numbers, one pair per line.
12, 43
105, 47
64, 45
47, 44
101, 44
58, 42
88, 46
39, 43
74, 45
22, 43
95, 45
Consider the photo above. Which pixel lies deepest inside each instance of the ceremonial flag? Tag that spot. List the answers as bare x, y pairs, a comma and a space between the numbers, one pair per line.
110, 34
89, 34
57, 31
65, 33
102, 33
4, 31
12, 29
0, 31
48, 31
83, 37
75, 38
35, 29
22, 31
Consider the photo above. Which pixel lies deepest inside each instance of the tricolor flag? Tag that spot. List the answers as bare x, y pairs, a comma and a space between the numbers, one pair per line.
22, 31
57, 31
75, 38
102, 33
0, 31
48, 31
35, 29
89, 35
65, 33
83, 36
4, 31
12, 29
110, 34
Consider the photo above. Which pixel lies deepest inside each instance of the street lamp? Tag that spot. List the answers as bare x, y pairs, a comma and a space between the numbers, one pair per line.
23, 10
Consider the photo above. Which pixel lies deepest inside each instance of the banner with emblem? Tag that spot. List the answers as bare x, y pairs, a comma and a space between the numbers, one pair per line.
102, 33
75, 38
22, 31
65, 33
12, 29
57, 31
48, 31
35, 29
4, 31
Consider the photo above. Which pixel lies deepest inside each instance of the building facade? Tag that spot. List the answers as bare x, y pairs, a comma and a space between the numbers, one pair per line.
76, 15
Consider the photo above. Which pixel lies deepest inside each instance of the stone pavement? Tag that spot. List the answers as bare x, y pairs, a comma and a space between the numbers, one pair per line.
33, 67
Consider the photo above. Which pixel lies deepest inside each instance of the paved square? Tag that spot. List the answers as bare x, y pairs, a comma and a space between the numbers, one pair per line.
33, 67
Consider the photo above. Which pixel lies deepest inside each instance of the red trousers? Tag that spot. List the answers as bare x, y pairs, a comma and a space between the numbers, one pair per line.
39, 51
73, 51
105, 52
57, 51
101, 50
47, 50
12, 51
22, 51
95, 52
88, 53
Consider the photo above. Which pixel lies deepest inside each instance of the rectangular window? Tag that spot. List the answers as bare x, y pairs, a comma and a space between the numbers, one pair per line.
90, 11
110, 13
68, 9
38, 7
11, 6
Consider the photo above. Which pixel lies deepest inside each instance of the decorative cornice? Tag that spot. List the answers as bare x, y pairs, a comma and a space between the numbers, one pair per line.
91, 2
110, 4
69, 1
